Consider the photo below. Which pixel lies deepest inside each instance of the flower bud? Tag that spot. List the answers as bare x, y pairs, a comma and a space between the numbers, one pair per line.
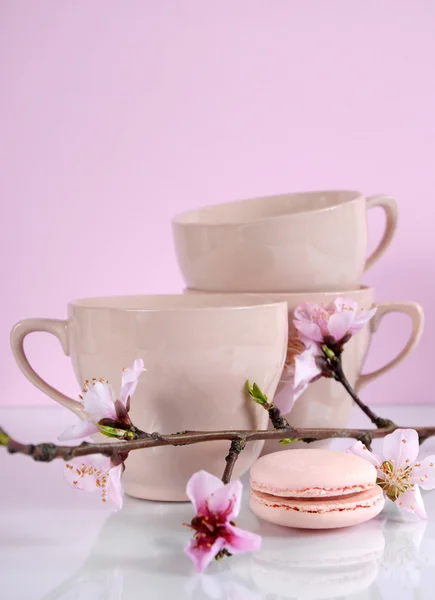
112, 432
287, 441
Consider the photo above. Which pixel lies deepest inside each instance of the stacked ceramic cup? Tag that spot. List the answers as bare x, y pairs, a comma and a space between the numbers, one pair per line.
302, 247
247, 265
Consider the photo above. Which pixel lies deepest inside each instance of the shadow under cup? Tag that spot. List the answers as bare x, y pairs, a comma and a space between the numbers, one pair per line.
325, 403
198, 353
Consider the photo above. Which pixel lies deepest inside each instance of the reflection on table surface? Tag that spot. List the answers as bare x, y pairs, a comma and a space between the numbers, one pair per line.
56, 544
137, 551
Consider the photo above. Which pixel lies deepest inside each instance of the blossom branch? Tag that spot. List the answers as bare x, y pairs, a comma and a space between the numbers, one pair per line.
46, 452
339, 376
325, 331
235, 449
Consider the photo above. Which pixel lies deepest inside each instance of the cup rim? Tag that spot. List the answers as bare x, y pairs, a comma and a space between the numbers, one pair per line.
342, 293
182, 219
187, 303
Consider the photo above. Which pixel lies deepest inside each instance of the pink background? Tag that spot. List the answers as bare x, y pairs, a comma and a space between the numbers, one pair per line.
117, 115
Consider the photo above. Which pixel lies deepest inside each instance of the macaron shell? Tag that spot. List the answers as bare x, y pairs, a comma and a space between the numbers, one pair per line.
310, 473
318, 513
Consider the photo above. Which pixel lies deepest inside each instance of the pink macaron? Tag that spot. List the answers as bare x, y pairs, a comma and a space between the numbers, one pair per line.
314, 489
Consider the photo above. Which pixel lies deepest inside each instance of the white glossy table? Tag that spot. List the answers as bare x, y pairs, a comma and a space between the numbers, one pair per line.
57, 543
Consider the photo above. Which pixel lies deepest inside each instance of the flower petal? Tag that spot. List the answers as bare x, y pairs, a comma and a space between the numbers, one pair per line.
227, 498
74, 474
359, 449
343, 304
241, 540
314, 347
424, 474
305, 311
285, 399
313, 313
130, 375
288, 373
311, 331
115, 490
99, 401
411, 501
202, 557
200, 487
306, 368
299, 390
98, 461
362, 317
401, 447
340, 323
79, 430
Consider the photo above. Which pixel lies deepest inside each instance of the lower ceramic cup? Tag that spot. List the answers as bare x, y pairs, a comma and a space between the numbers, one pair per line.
325, 403
198, 353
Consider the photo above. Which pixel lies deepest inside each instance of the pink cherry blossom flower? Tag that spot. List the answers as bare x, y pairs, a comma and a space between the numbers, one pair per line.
97, 473
216, 535
301, 368
338, 320
99, 402
399, 475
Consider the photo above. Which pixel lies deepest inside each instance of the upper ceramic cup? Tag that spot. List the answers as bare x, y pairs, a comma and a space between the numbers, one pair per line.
311, 241
198, 351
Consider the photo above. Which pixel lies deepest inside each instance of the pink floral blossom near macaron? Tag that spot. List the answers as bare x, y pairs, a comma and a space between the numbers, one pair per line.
99, 402
215, 533
97, 473
399, 474
314, 489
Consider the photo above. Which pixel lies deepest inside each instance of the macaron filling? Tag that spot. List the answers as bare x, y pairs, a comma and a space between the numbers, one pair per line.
338, 503
311, 492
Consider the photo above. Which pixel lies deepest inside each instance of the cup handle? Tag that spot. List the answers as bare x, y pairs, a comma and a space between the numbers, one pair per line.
415, 313
59, 329
389, 205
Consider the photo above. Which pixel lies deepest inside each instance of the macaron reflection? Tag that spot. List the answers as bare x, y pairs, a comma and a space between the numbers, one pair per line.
317, 565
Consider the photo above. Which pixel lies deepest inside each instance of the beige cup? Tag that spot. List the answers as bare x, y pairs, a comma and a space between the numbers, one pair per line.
325, 403
198, 352
314, 241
